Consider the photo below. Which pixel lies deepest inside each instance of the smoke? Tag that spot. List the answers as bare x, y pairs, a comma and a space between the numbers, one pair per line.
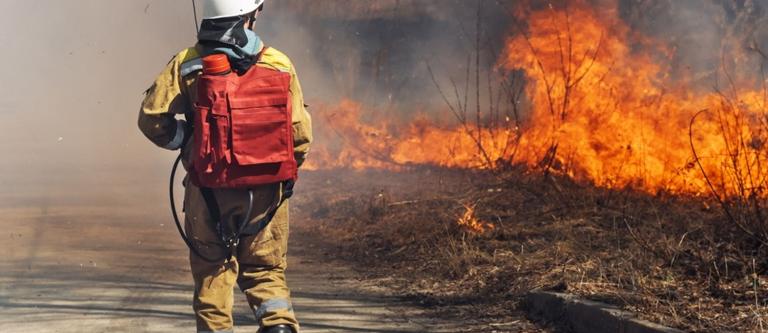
72, 80
704, 36
377, 52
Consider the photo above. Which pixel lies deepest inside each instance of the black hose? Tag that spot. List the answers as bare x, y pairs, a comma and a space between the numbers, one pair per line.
232, 243
178, 223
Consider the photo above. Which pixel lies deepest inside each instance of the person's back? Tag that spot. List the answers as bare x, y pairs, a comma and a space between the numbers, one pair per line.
236, 207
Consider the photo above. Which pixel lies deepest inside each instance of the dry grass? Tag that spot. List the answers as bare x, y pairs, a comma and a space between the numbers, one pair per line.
673, 260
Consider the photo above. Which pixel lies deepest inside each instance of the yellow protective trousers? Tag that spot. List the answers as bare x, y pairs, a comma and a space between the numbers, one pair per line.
259, 265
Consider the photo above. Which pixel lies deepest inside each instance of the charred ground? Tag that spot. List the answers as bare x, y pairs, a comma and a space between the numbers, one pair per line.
671, 259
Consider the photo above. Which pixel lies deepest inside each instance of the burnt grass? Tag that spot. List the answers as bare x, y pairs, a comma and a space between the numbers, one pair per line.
671, 259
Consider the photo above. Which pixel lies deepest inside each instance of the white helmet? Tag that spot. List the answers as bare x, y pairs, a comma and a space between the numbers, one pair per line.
215, 9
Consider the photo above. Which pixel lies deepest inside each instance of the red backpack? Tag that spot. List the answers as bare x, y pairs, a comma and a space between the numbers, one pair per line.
242, 128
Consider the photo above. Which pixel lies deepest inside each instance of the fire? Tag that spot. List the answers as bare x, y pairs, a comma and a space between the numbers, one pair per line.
600, 111
469, 222
613, 116
386, 144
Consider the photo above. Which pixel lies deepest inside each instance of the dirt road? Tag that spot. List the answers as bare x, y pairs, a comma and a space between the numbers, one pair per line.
79, 257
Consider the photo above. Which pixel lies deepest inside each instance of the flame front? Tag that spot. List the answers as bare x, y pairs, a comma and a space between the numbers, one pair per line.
600, 111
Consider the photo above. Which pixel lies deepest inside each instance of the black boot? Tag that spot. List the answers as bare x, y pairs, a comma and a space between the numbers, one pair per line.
278, 329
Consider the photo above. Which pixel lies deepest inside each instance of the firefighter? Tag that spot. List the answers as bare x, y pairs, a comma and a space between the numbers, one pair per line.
258, 261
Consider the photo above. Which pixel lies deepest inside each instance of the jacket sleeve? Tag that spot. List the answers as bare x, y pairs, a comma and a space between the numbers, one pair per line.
302, 121
162, 102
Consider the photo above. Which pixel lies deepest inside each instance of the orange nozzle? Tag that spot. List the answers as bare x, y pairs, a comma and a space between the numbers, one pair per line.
216, 64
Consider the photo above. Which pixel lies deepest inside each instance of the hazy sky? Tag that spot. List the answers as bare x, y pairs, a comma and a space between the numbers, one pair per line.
73, 74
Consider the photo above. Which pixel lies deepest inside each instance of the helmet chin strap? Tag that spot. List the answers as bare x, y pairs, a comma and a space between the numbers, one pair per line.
254, 15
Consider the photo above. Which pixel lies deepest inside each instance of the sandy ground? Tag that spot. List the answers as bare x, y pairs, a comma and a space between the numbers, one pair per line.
108, 259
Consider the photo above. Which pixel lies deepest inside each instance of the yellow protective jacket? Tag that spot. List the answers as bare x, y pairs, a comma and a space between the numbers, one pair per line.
174, 92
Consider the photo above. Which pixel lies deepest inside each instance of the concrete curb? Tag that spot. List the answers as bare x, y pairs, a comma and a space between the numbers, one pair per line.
582, 316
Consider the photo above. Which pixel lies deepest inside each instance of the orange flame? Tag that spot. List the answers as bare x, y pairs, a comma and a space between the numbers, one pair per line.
600, 111
355, 144
606, 113
469, 222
